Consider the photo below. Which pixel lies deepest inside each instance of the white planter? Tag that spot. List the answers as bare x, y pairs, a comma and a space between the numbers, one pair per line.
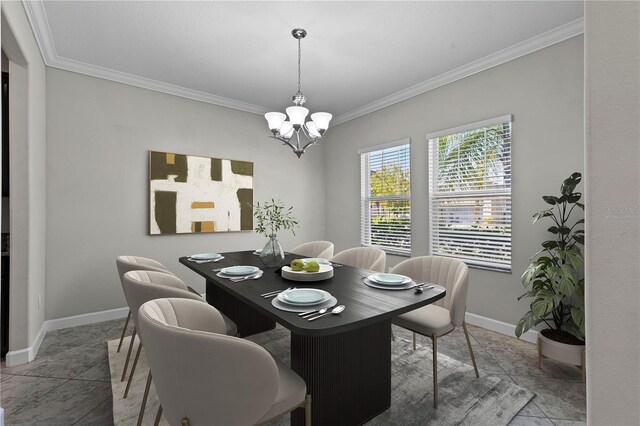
568, 354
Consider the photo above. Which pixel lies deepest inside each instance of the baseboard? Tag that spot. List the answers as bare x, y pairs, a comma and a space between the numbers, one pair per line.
22, 356
499, 327
28, 354
84, 319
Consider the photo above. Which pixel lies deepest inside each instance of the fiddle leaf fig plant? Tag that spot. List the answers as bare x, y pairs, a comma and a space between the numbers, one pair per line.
554, 279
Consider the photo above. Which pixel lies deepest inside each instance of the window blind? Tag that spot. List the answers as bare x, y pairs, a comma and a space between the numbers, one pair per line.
470, 194
386, 198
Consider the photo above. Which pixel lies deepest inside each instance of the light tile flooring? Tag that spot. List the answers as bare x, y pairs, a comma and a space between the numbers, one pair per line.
68, 382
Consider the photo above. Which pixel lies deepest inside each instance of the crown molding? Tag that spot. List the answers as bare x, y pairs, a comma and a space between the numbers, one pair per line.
546, 39
155, 85
40, 25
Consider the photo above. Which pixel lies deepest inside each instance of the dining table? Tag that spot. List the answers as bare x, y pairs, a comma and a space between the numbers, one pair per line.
345, 358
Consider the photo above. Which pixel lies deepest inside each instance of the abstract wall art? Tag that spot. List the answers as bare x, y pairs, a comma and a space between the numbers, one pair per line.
190, 194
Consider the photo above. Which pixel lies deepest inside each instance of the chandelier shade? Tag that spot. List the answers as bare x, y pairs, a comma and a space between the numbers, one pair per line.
288, 131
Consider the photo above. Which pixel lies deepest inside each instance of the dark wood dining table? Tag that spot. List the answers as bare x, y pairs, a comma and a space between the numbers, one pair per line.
344, 359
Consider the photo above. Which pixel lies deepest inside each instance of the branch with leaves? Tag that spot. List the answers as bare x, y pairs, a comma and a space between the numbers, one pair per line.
272, 216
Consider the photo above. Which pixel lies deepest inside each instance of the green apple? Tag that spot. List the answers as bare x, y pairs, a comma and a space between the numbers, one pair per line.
311, 266
297, 265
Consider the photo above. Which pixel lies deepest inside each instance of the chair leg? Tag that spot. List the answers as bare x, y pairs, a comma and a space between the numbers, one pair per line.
158, 416
185, 422
133, 370
434, 338
473, 358
414, 340
124, 330
393, 336
126, 363
144, 399
307, 410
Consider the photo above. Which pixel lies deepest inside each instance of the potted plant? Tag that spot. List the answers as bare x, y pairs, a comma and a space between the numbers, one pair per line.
271, 217
555, 282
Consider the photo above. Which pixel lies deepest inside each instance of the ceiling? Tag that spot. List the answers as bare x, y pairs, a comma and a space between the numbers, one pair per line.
356, 58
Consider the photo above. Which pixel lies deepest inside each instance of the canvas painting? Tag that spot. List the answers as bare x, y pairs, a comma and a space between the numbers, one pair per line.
191, 194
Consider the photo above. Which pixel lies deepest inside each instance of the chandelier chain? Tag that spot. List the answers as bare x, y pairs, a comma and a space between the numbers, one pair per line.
299, 55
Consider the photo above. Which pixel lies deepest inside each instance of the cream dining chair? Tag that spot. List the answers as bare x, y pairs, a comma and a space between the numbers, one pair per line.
124, 265
442, 317
371, 258
203, 377
140, 287
321, 249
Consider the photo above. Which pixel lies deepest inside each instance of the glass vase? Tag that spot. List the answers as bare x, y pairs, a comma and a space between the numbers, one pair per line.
272, 254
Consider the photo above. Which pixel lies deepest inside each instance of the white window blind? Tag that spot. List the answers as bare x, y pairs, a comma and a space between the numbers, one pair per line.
386, 197
470, 194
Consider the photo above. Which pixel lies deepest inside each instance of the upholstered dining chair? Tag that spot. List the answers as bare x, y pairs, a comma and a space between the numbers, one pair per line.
362, 257
442, 317
205, 377
140, 287
124, 265
322, 249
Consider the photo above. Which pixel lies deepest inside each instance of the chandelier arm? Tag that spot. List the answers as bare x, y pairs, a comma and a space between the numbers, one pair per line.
295, 149
312, 140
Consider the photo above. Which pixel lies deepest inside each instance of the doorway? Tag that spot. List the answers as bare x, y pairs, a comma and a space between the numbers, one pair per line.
4, 220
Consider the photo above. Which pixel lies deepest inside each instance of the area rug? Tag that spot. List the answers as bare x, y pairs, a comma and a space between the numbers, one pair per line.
463, 398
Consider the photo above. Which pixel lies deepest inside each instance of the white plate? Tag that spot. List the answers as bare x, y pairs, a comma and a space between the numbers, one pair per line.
205, 256
241, 270
233, 277
320, 260
304, 296
389, 279
404, 286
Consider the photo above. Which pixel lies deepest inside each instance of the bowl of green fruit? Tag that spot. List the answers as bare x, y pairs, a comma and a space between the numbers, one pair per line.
307, 270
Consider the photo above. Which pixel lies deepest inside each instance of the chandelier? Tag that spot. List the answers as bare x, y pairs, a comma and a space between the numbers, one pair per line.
288, 131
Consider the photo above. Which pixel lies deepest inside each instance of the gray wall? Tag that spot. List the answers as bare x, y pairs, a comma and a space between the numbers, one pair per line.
543, 91
27, 158
99, 135
612, 102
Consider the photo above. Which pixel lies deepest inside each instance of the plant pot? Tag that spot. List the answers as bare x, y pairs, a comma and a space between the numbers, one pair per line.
573, 354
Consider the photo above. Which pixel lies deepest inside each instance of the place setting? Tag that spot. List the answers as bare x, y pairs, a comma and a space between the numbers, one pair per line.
205, 258
309, 303
395, 282
240, 273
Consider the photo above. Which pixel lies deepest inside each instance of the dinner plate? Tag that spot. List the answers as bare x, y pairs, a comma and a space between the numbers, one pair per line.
232, 277
205, 256
389, 279
304, 296
240, 270
320, 260
374, 284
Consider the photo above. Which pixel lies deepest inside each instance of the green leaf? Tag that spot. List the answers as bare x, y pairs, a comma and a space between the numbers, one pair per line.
580, 205
542, 306
527, 321
550, 244
578, 238
550, 199
564, 230
577, 315
553, 229
541, 214
579, 222
573, 198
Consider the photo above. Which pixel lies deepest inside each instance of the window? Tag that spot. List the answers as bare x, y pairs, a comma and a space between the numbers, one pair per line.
386, 197
470, 193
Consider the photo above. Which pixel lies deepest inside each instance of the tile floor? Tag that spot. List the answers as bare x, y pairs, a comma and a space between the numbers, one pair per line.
68, 382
